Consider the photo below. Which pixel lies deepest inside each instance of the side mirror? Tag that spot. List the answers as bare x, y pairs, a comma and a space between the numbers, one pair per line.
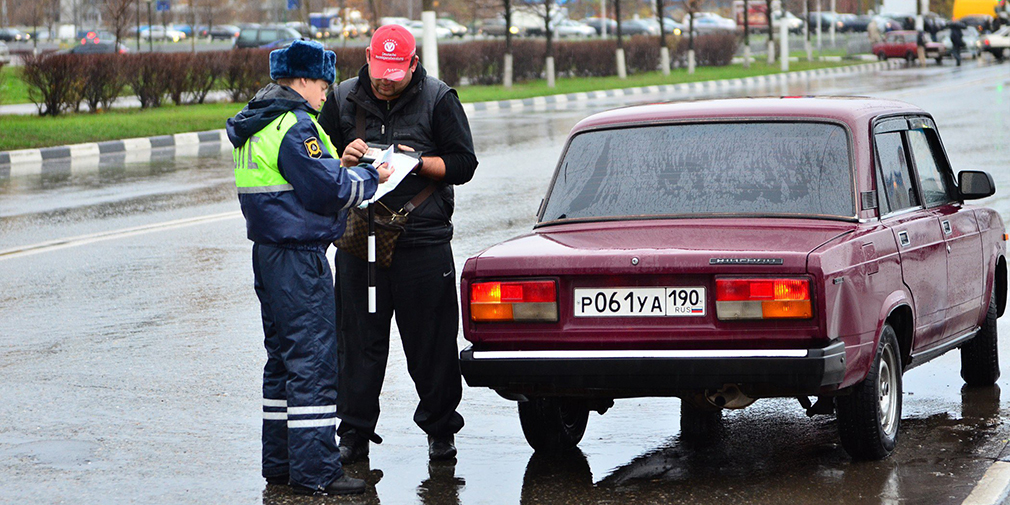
975, 184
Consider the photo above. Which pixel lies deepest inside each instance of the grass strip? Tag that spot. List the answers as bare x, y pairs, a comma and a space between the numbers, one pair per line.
677, 76
26, 132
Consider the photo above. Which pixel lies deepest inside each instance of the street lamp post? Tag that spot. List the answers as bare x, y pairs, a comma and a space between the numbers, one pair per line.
150, 35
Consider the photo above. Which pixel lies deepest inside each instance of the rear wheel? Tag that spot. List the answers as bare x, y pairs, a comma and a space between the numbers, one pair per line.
553, 424
881, 56
910, 57
980, 355
869, 417
939, 60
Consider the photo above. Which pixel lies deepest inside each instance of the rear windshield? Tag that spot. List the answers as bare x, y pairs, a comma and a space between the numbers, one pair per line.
754, 168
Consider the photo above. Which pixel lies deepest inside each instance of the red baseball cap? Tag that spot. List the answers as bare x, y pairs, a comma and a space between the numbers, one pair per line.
392, 51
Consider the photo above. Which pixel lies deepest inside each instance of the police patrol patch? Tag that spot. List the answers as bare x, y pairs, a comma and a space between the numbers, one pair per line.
312, 147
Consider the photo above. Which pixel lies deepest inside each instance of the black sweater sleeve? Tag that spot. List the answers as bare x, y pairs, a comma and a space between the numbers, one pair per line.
329, 119
451, 132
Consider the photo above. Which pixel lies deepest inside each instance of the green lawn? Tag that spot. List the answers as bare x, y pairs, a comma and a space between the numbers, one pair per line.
23, 132
12, 88
577, 85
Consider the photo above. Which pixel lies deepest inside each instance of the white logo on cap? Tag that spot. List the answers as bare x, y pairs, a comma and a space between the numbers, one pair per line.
389, 46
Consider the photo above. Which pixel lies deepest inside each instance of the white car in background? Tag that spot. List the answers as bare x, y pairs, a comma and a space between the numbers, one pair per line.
710, 22
570, 28
158, 32
996, 43
417, 30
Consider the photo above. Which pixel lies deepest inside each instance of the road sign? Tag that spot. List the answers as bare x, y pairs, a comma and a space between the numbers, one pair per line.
294, 4
164, 5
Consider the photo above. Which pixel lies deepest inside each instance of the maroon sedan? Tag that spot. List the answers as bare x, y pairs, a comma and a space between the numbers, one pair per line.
725, 251
902, 44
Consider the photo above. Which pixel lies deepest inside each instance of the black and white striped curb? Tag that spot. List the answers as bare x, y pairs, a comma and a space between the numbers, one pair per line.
141, 150
690, 87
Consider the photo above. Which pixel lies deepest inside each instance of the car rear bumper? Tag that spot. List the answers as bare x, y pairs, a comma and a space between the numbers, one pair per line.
655, 373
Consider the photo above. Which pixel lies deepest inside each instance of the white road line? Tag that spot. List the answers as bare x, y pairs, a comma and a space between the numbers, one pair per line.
52, 245
993, 488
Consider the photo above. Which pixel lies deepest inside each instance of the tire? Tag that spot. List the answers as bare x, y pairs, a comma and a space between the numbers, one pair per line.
553, 425
868, 418
881, 56
939, 60
980, 355
698, 424
910, 58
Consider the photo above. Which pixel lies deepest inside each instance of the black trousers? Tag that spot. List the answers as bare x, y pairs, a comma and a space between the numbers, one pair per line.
419, 289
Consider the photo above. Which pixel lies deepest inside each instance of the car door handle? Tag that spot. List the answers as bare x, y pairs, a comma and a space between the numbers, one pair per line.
948, 248
903, 238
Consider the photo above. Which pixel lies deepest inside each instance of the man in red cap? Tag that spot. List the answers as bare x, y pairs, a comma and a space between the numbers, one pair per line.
394, 101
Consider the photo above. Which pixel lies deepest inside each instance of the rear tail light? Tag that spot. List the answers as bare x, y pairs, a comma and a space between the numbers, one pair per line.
762, 299
514, 301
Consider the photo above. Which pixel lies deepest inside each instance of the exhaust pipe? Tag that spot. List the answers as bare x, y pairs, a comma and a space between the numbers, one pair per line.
729, 397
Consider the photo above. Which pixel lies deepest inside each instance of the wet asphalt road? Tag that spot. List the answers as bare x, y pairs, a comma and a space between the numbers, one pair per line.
131, 352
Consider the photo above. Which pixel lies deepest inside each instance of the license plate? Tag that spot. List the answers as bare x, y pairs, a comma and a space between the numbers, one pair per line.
670, 302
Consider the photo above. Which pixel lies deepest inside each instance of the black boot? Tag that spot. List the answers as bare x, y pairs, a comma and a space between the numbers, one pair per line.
441, 448
353, 448
343, 485
277, 480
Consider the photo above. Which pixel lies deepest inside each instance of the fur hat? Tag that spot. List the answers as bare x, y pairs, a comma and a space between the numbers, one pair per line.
303, 58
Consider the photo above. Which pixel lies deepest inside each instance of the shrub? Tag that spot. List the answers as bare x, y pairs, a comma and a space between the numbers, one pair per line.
350, 60
3, 84
178, 68
585, 59
148, 76
246, 71
716, 49
103, 79
641, 54
54, 82
206, 70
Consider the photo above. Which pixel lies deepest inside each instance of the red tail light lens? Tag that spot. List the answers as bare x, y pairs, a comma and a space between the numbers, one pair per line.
763, 298
514, 301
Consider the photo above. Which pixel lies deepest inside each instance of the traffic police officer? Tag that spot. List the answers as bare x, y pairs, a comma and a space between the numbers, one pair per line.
294, 195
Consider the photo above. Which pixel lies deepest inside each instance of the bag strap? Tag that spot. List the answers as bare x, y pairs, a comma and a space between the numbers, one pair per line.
359, 121
419, 198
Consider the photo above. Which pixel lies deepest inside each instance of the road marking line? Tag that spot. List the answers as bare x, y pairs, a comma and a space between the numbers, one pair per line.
993, 487
52, 245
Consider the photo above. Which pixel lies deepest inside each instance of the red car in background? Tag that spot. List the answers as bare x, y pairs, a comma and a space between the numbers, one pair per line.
725, 251
902, 44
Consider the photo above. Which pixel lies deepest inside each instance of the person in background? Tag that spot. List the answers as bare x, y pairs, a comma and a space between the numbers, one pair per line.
294, 195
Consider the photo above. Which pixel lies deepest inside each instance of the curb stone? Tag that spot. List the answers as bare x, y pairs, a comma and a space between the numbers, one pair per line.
139, 150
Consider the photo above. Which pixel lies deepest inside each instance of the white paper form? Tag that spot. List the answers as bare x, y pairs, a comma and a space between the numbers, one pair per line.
402, 166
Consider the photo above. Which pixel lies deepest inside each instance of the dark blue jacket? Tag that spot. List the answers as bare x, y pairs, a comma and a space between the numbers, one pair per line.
312, 208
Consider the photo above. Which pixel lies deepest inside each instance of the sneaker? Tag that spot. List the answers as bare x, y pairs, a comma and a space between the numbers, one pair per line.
352, 448
277, 480
441, 448
344, 485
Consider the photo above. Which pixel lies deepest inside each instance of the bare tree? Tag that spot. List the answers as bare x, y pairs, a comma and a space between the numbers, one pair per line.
663, 50
117, 15
691, 6
507, 77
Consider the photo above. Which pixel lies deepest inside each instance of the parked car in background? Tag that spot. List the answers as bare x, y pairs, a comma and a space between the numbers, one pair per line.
826, 250
886, 24
902, 44
670, 27
599, 23
417, 30
13, 35
568, 28
795, 24
996, 43
632, 27
265, 36
221, 32
457, 29
980, 22
827, 18
99, 47
710, 22
159, 32
496, 28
